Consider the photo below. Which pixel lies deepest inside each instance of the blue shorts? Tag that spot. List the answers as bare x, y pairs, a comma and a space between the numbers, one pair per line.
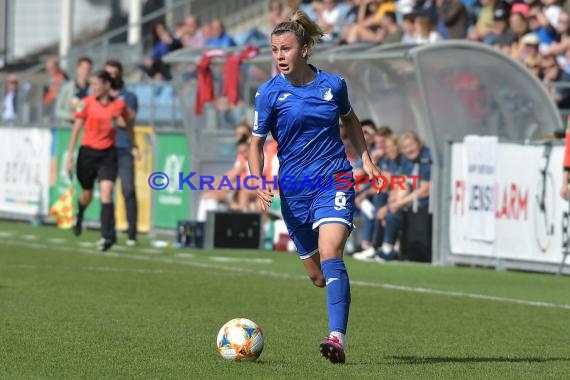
304, 216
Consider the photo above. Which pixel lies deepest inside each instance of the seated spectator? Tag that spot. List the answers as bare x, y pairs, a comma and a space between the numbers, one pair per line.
387, 227
390, 30
425, 29
368, 200
562, 44
552, 73
370, 15
485, 21
408, 28
164, 43
453, 17
73, 91
56, 77
528, 47
551, 11
220, 39
533, 64
415, 241
10, 99
329, 19
502, 36
195, 34
518, 22
539, 25
276, 15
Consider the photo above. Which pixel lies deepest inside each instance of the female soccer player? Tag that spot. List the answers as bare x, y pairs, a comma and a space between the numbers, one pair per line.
98, 114
301, 107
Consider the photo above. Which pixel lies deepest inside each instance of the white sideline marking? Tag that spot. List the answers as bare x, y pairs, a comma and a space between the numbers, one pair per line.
298, 277
149, 250
7, 233
86, 244
186, 255
57, 240
240, 259
29, 237
113, 269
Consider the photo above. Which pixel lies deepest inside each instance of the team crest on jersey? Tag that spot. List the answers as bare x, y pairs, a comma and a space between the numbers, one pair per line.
327, 94
80, 106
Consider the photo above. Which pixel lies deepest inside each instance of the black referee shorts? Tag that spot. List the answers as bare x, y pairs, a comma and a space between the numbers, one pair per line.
95, 163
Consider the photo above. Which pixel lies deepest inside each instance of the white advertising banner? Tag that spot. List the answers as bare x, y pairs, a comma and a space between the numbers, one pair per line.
480, 160
527, 208
24, 170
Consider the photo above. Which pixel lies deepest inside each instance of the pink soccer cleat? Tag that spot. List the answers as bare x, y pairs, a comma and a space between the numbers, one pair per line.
332, 349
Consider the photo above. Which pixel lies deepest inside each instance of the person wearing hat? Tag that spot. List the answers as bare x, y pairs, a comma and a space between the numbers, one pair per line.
527, 47
502, 37
533, 64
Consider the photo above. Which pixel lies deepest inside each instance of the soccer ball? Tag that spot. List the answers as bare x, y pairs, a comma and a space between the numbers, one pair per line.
240, 339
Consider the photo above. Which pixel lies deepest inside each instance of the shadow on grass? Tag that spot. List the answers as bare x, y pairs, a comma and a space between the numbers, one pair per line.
450, 359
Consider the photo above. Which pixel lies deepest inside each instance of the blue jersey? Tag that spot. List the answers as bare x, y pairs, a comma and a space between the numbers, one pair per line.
304, 120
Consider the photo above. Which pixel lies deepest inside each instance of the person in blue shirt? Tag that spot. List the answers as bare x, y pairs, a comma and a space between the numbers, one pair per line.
301, 107
220, 39
127, 150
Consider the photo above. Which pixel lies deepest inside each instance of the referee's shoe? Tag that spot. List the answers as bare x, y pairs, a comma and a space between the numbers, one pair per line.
104, 244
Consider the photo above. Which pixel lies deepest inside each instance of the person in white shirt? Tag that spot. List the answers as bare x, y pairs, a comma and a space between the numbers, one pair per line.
10, 98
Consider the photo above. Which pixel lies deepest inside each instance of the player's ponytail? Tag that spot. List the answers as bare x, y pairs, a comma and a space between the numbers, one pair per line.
305, 30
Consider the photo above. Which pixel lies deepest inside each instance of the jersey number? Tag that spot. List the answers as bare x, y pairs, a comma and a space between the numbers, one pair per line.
340, 201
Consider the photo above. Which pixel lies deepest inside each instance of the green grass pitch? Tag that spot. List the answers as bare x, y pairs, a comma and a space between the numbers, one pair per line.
69, 311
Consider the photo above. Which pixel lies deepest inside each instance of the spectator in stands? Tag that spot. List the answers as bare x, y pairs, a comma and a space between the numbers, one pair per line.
370, 15
562, 44
196, 38
518, 23
277, 14
539, 25
485, 22
425, 29
164, 43
552, 73
127, 149
369, 200
533, 64
329, 19
390, 30
415, 242
529, 47
387, 228
453, 17
408, 28
10, 98
502, 37
56, 77
220, 39
73, 91
551, 11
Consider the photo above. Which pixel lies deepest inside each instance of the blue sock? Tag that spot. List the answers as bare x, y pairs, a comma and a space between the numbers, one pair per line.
338, 294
